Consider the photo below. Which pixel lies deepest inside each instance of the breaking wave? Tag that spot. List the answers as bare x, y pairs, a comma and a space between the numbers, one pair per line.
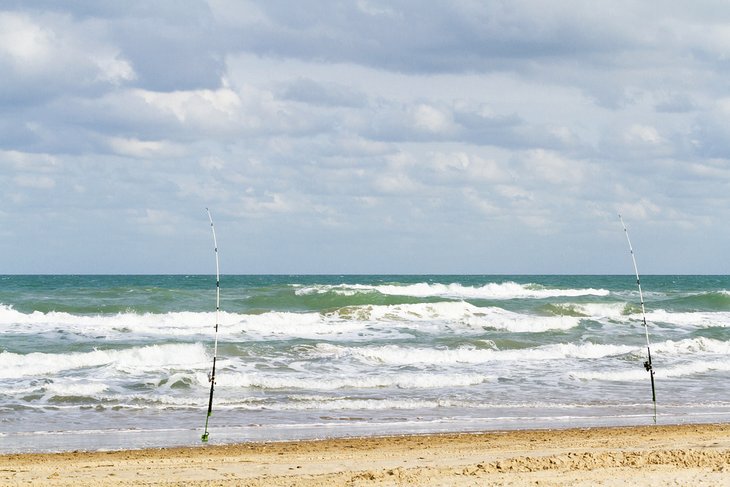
349, 322
506, 290
130, 361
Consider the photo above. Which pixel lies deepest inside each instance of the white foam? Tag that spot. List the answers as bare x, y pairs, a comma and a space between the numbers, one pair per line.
699, 355
131, 360
599, 310
415, 380
460, 314
183, 324
506, 290
350, 322
173, 323
399, 355
303, 325
616, 312
638, 373
75, 387
691, 346
346, 404
15, 388
702, 319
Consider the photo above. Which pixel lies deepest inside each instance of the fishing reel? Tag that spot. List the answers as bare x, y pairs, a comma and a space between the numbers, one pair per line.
647, 366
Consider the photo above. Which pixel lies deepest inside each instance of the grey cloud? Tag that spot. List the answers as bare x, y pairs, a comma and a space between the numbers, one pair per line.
676, 103
439, 37
170, 44
50, 55
315, 93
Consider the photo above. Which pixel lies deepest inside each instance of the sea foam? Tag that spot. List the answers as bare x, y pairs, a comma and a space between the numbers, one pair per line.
130, 360
405, 380
400, 355
347, 322
506, 290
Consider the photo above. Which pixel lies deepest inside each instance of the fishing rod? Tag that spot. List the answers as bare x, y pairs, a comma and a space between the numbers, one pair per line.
647, 364
211, 376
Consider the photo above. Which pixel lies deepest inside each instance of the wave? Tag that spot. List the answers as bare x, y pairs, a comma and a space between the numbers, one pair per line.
702, 319
75, 387
302, 402
400, 355
712, 300
691, 346
186, 363
589, 310
404, 380
300, 325
625, 312
136, 360
173, 323
349, 322
459, 314
638, 373
708, 354
500, 291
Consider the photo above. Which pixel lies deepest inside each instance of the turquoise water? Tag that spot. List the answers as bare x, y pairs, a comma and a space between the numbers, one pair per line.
106, 362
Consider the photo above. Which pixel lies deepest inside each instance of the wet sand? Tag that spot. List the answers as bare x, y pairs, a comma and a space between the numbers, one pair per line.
649, 455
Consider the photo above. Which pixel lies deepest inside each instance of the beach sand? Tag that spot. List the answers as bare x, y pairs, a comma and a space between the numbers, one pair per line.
648, 455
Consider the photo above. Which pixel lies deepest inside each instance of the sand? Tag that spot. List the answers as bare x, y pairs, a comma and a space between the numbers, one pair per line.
693, 455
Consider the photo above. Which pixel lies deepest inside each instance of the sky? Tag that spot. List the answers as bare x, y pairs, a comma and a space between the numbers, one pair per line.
364, 136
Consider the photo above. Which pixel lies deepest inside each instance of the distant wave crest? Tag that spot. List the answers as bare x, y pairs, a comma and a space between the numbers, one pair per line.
506, 290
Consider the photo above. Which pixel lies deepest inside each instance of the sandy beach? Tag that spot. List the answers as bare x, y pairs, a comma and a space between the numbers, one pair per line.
648, 455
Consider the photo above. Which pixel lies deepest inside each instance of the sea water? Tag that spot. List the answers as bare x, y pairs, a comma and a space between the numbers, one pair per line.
110, 362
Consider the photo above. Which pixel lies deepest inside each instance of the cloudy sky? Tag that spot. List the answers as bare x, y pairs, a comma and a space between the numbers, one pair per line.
364, 136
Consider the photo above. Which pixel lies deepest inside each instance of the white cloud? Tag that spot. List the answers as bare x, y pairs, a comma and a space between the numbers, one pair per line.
553, 168
431, 119
487, 170
643, 134
711, 169
202, 106
34, 181
462, 167
112, 68
157, 222
395, 183
481, 203
265, 204
28, 46
212, 163
514, 192
456, 161
52, 54
144, 149
641, 209
26, 161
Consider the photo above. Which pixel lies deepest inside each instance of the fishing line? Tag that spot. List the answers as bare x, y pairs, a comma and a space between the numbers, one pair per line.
211, 376
647, 364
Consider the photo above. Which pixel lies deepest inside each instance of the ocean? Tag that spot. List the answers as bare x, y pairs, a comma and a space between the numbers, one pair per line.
112, 362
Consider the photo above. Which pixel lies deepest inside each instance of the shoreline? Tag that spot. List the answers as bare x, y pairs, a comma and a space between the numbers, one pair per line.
653, 455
